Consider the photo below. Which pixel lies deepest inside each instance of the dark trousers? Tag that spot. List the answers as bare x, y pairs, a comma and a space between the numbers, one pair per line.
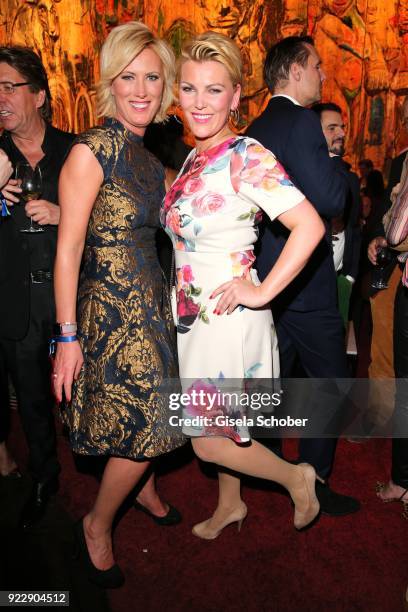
317, 339
28, 364
399, 472
4, 400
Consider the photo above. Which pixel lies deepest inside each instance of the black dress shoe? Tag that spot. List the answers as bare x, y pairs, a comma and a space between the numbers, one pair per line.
15, 474
36, 505
173, 516
111, 578
335, 504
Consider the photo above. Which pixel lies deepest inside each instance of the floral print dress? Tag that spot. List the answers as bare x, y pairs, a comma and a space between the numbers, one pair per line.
211, 213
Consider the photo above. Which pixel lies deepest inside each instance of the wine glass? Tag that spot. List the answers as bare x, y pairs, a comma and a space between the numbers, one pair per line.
31, 185
384, 257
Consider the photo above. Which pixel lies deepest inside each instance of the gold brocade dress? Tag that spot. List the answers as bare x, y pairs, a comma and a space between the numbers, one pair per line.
124, 317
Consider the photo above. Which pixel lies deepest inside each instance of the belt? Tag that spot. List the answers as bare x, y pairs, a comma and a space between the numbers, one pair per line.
41, 276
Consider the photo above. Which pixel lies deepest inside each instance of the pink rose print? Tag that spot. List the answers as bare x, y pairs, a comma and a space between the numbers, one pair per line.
258, 167
174, 193
199, 400
187, 274
219, 150
192, 185
190, 182
187, 183
242, 262
188, 309
226, 431
258, 152
237, 163
259, 163
207, 204
199, 163
173, 220
206, 401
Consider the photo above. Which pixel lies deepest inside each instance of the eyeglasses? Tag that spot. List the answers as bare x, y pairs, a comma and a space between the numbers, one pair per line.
6, 87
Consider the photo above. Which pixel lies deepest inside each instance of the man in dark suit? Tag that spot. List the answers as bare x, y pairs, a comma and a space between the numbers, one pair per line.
346, 232
308, 322
27, 311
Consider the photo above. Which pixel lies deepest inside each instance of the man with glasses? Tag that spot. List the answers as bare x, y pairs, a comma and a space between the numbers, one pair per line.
27, 311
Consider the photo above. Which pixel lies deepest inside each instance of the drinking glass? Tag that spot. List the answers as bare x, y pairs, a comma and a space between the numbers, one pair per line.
31, 184
384, 257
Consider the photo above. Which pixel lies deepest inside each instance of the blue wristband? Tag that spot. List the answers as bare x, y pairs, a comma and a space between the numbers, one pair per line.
4, 210
57, 339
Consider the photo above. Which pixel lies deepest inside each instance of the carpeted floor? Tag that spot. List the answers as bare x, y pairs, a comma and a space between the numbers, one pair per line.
354, 563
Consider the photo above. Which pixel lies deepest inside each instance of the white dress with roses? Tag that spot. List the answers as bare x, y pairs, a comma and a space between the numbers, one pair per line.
211, 213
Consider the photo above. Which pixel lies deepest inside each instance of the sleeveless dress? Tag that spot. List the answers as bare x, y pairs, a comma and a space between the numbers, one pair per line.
125, 325
211, 214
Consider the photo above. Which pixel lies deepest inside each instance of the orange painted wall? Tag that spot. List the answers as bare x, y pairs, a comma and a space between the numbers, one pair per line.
363, 44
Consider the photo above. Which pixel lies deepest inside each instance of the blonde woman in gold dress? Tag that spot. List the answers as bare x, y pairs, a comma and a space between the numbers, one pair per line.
110, 194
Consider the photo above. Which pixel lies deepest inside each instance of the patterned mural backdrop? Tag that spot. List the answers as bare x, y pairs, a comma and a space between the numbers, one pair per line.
363, 45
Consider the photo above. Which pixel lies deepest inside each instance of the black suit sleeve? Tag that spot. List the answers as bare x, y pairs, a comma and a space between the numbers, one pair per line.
321, 178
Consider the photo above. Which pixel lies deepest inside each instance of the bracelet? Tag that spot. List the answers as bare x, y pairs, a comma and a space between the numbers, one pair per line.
65, 328
57, 339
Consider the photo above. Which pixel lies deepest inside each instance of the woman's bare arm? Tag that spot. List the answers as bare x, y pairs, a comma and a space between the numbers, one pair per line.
306, 231
80, 180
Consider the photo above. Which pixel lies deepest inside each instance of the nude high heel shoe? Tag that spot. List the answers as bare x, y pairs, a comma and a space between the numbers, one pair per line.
302, 519
206, 532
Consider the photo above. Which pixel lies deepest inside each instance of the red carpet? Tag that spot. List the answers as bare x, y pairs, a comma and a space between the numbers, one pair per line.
354, 563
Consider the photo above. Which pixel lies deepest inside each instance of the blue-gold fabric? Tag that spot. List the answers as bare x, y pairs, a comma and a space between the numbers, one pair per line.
124, 321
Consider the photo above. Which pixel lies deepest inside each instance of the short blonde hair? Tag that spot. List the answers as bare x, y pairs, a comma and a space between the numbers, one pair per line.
216, 47
123, 44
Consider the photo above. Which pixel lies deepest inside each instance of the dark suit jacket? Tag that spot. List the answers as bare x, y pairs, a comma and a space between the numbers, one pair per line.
352, 230
22, 253
294, 134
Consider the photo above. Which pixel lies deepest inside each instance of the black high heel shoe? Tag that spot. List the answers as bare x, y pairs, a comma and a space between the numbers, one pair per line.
173, 516
111, 578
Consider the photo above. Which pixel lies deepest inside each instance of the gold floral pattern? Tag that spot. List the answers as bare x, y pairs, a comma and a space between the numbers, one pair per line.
124, 316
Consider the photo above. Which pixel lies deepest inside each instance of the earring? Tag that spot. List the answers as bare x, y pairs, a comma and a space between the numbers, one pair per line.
234, 116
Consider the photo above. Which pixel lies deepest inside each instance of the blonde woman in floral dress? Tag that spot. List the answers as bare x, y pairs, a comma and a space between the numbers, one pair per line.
224, 323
